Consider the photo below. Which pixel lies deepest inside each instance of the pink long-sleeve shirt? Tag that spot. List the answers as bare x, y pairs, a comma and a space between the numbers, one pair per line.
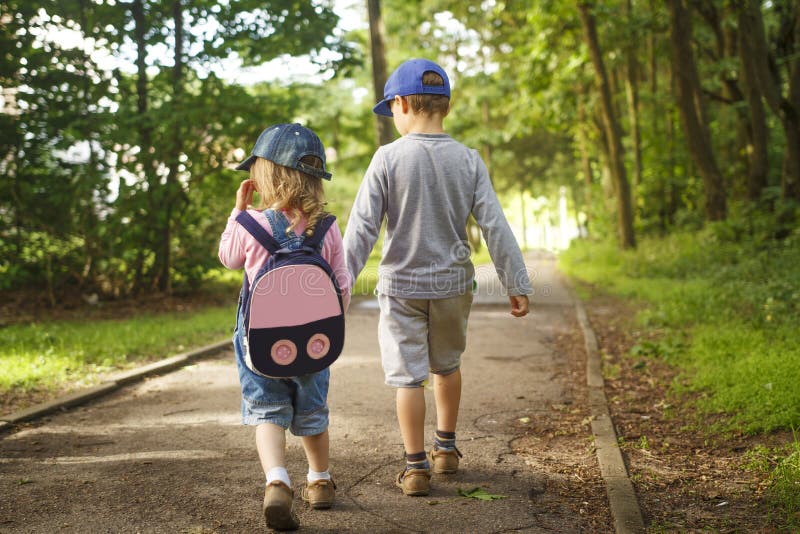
237, 249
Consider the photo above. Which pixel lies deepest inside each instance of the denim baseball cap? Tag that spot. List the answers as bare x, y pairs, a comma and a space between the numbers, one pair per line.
286, 144
407, 80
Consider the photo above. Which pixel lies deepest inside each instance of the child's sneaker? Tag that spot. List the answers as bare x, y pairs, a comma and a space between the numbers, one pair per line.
445, 461
319, 494
278, 507
414, 482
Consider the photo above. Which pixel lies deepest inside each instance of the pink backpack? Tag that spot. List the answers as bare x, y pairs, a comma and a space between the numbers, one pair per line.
293, 313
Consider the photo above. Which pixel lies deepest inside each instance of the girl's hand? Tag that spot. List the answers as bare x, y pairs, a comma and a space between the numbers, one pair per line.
519, 305
244, 196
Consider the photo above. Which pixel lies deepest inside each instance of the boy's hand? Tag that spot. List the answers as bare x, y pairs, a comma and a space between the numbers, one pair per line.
244, 196
519, 305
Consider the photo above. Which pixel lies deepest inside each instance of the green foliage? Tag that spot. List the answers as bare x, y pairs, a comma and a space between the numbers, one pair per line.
134, 164
782, 465
738, 301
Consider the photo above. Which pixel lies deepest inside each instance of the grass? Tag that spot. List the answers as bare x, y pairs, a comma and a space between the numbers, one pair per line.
52, 354
781, 465
728, 313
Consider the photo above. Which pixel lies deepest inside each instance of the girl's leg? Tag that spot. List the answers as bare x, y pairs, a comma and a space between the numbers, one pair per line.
411, 416
317, 451
320, 491
447, 391
277, 507
271, 446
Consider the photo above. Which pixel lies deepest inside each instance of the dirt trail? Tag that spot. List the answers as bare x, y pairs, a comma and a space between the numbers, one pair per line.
169, 454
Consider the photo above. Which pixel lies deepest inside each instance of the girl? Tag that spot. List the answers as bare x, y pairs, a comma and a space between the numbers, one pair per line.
286, 168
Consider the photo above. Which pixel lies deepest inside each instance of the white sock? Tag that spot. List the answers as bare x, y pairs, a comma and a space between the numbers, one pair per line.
313, 476
278, 473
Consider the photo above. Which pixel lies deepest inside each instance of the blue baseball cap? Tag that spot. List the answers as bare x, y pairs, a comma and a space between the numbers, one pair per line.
286, 144
407, 80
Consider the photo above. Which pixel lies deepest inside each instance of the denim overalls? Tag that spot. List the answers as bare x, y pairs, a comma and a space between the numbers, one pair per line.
299, 403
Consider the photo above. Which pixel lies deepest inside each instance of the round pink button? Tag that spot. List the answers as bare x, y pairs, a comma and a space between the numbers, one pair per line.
318, 346
283, 352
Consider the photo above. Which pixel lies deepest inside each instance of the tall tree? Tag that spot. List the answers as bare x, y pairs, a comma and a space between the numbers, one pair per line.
611, 128
758, 133
777, 71
632, 93
692, 110
383, 125
733, 59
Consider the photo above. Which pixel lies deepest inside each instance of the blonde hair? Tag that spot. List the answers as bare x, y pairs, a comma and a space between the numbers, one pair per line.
284, 188
428, 104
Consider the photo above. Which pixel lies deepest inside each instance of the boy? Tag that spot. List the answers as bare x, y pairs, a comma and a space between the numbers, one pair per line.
426, 185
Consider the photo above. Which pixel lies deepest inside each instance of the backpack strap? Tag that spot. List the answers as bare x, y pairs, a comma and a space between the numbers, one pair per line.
258, 232
323, 225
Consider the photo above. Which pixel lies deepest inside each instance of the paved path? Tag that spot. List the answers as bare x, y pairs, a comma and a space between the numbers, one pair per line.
169, 454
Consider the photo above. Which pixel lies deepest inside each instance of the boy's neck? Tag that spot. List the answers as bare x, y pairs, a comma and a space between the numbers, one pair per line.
425, 124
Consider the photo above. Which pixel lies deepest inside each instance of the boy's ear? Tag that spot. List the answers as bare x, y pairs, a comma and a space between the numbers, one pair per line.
402, 102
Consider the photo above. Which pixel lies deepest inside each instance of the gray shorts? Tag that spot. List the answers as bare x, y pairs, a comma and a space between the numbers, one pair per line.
418, 336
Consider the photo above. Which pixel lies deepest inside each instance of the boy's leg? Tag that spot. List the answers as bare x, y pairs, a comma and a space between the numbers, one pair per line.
402, 334
447, 391
447, 338
411, 417
415, 477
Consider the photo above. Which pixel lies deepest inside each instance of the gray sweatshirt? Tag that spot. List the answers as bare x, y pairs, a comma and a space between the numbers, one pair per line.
426, 185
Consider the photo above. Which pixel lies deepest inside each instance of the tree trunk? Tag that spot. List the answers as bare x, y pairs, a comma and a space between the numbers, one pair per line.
612, 129
690, 105
485, 147
522, 211
767, 74
751, 127
383, 125
145, 140
586, 163
632, 93
173, 186
758, 136
671, 188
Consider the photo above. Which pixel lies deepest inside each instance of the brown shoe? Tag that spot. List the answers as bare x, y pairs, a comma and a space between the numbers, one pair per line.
319, 494
445, 461
278, 507
414, 482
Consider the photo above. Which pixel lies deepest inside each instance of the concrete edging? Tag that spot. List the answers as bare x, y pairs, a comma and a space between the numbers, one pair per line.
621, 496
118, 381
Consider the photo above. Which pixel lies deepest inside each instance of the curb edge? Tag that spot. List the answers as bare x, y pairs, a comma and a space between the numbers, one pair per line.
625, 510
8, 421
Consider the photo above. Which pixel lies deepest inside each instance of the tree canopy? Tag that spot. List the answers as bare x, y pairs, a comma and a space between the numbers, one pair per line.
120, 124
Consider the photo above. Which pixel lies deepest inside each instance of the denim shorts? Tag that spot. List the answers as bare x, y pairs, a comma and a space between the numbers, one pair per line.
298, 404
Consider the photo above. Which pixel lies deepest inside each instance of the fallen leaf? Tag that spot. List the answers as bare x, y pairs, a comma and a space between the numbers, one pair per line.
480, 494
524, 419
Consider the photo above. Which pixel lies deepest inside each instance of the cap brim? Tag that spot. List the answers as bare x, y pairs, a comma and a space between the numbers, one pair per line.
246, 164
383, 108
